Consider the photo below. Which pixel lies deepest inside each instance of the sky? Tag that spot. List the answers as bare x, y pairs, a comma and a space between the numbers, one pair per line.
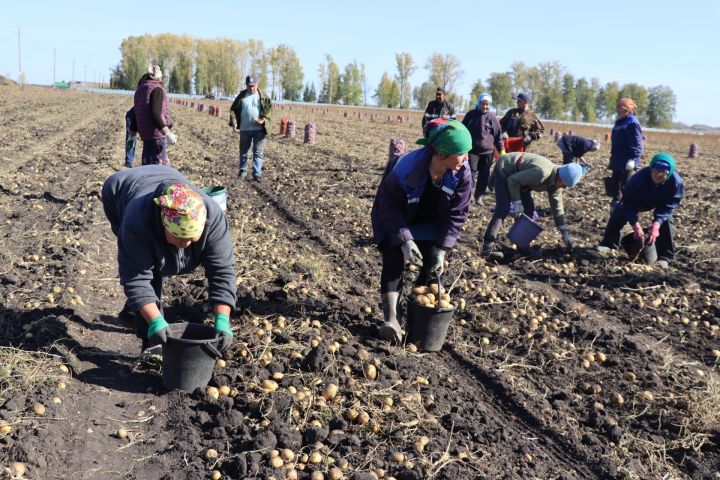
646, 42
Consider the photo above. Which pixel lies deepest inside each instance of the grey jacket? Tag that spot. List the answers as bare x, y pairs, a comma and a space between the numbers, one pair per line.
144, 256
536, 173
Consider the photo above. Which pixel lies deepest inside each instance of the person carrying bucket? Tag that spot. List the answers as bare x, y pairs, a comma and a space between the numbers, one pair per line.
419, 209
165, 226
658, 188
522, 122
516, 175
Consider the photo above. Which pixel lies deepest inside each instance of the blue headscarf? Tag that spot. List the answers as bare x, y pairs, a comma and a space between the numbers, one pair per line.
484, 96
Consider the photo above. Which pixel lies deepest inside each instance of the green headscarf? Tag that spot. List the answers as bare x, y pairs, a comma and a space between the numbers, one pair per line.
447, 137
664, 161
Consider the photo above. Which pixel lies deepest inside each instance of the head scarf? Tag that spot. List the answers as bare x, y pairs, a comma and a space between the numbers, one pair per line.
664, 161
183, 211
155, 72
628, 104
484, 96
571, 174
446, 137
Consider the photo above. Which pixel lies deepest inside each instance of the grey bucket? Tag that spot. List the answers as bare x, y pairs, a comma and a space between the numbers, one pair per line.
189, 356
524, 231
427, 326
218, 194
637, 250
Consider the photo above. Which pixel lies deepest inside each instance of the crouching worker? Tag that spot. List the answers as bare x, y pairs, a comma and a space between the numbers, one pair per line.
573, 147
165, 227
516, 176
419, 210
658, 188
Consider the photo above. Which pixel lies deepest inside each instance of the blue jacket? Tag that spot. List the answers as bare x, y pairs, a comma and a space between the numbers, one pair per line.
576, 145
485, 131
642, 195
398, 197
627, 143
143, 252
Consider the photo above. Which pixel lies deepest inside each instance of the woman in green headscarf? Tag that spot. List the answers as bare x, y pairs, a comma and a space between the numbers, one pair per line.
419, 209
658, 188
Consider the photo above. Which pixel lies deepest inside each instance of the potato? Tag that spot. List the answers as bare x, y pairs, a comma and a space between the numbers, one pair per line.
224, 390
370, 371
211, 453
287, 455
212, 392
215, 475
269, 385
330, 391
220, 363
276, 462
397, 457
335, 474
315, 458
121, 433
17, 469
38, 409
421, 290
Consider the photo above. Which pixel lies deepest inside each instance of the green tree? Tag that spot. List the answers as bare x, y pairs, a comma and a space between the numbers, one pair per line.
500, 87
424, 94
569, 97
388, 92
287, 73
330, 81
405, 68
585, 99
445, 71
549, 90
351, 85
475, 92
640, 95
309, 95
661, 106
609, 98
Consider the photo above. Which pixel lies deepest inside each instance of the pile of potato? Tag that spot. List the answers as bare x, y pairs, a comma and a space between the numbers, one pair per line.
431, 296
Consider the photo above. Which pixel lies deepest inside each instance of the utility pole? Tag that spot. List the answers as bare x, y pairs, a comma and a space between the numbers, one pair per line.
54, 58
20, 75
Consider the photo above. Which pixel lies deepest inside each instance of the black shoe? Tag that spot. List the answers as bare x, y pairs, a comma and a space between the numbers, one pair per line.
242, 175
256, 179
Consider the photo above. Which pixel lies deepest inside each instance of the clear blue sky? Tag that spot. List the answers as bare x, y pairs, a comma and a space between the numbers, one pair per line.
647, 42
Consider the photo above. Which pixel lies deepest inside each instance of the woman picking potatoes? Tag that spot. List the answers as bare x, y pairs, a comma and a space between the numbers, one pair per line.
419, 209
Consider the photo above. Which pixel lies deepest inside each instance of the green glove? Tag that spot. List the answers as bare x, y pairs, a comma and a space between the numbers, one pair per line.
222, 325
157, 330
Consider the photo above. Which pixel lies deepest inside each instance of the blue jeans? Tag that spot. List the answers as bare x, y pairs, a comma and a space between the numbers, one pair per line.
257, 138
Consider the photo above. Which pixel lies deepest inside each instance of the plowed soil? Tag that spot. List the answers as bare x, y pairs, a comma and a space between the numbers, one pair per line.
567, 366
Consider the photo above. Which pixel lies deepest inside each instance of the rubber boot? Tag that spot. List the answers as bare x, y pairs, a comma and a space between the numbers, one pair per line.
390, 329
487, 252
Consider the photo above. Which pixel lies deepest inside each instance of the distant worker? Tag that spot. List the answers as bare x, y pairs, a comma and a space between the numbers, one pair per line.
658, 188
522, 122
249, 114
516, 175
573, 147
152, 115
130, 137
438, 108
165, 227
419, 210
626, 150
486, 134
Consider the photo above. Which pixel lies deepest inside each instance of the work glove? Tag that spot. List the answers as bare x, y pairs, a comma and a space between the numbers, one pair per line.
637, 232
437, 265
567, 239
157, 330
527, 140
504, 136
411, 253
630, 165
654, 233
170, 136
502, 152
516, 209
222, 325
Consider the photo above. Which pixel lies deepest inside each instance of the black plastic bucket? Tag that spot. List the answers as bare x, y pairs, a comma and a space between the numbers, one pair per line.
189, 356
638, 250
428, 326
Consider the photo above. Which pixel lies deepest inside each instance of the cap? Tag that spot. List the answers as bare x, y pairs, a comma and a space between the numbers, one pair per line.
523, 96
440, 90
251, 81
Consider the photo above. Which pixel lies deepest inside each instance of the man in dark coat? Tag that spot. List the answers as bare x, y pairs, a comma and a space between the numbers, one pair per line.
438, 108
522, 121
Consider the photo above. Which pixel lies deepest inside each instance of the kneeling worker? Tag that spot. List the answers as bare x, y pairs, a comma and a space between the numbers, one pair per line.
165, 227
516, 175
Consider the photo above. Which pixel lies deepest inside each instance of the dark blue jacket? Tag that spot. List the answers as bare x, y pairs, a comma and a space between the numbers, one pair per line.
143, 252
642, 195
627, 143
398, 197
575, 145
485, 131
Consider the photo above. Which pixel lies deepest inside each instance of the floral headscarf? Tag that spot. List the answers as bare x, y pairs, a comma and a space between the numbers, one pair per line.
183, 211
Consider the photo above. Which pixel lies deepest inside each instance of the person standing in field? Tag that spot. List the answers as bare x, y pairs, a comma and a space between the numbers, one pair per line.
438, 108
130, 137
249, 114
522, 121
573, 147
626, 150
152, 115
419, 210
164, 227
486, 135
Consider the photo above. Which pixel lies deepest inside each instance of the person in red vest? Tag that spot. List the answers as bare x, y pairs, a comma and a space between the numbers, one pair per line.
152, 115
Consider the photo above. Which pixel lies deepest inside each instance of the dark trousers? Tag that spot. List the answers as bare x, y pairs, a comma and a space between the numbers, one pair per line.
664, 244
618, 182
568, 158
393, 267
480, 168
502, 207
129, 147
154, 152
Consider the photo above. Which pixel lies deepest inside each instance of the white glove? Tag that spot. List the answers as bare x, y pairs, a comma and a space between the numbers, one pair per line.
411, 253
516, 209
630, 165
504, 136
438, 260
169, 136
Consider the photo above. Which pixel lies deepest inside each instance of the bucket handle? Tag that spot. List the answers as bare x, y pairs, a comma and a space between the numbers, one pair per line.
440, 289
212, 350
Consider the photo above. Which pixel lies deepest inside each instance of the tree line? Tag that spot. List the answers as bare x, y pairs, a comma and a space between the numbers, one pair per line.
219, 66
